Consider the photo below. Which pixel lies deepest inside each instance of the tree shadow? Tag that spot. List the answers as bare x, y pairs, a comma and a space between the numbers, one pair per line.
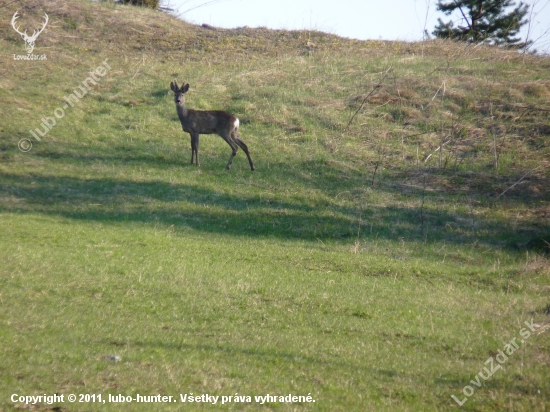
342, 210
186, 206
330, 177
262, 354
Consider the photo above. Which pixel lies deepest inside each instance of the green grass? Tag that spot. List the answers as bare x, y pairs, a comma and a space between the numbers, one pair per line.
349, 266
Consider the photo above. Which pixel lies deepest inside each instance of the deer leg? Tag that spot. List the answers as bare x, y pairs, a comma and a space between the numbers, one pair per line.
195, 148
192, 149
245, 149
234, 148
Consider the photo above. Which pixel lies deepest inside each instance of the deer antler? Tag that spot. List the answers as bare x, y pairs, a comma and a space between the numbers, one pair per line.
35, 33
15, 17
24, 34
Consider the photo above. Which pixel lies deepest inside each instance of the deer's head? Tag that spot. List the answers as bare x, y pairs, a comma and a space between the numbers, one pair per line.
178, 92
29, 40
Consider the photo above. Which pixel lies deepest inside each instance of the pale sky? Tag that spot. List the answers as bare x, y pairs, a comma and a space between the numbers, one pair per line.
359, 19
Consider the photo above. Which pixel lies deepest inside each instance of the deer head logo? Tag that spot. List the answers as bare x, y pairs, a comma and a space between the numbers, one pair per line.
29, 40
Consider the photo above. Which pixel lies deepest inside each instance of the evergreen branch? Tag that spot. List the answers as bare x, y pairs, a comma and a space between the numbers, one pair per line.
463, 15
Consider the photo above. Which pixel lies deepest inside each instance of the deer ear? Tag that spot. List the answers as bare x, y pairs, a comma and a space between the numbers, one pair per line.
172, 86
185, 88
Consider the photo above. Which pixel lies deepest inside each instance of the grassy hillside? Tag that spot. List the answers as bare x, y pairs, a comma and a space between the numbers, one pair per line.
394, 236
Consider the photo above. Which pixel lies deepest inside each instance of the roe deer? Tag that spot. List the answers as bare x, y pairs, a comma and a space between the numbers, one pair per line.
196, 122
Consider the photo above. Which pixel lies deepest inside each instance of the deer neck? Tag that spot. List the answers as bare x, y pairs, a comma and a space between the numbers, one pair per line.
182, 111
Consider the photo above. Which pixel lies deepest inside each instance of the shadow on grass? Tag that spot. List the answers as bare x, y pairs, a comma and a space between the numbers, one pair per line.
334, 214
263, 355
202, 209
122, 155
331, 177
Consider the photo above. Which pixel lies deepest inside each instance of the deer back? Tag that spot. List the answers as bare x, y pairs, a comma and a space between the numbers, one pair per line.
208, 121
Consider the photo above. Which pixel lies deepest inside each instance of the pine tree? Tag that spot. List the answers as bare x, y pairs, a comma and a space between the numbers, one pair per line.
486, 20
